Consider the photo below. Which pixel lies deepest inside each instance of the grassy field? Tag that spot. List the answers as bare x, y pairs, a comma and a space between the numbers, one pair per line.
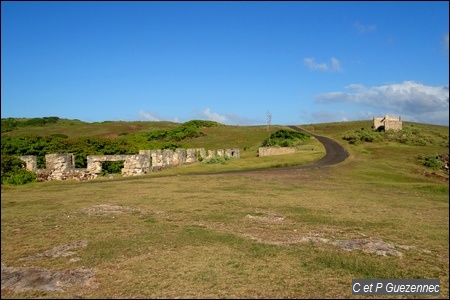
183, 233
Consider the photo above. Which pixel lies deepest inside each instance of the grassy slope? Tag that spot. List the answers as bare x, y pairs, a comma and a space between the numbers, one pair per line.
238, 236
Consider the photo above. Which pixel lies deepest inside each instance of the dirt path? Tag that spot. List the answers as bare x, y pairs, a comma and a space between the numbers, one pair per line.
335, 154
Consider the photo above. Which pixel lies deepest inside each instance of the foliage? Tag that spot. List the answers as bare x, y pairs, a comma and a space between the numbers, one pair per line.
179, 133
286, 138
198, 155
216, 160
9, 124
40, 146
410, 135
362, 135
13, 172
111, 167
432, 161
201, 123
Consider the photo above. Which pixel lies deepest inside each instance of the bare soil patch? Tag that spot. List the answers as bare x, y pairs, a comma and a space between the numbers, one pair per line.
107, 209
33, 278
19, 279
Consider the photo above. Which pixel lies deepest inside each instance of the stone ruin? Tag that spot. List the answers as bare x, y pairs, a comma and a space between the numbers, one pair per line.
61, 166
387, 123
269, 151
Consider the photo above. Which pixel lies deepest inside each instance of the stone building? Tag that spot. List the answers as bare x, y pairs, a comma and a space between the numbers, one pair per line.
387, 123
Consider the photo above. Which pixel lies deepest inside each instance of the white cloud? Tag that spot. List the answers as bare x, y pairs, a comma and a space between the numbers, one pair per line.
214, 116
227, 119
361, 28
147, 116
312, 65
356, 87
413, 101
335, 65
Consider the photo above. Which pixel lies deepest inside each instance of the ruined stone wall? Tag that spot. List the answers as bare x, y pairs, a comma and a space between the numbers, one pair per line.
133, 164
61, 166
268, 151
30, 161
395, 125
377, 123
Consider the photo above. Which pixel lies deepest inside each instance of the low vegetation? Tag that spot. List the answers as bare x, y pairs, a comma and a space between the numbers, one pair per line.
286, 138
412, 134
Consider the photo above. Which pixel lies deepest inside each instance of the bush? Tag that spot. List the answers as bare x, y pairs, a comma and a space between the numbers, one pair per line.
19, 177
432, 161
34, 122
112, 167
8, 124
187, 130
201, 123
285, 138
216, 160
13, 172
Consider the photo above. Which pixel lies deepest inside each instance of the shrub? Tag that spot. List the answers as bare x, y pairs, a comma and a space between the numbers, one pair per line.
13, 172
112, 167
8, 124
34, 122
50, 119
216, 160
187, 130
201, 123
285, 138
432, 161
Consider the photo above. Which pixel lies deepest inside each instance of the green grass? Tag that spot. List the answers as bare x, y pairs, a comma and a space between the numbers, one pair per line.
182, 234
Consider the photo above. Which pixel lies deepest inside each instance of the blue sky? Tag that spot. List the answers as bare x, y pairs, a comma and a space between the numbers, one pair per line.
231, 62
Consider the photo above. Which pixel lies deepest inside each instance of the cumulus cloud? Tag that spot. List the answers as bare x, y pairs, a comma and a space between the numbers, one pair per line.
356, 87
228, 118
335, 65
214, 116
147, 116
311, 64
361, 28
413, 101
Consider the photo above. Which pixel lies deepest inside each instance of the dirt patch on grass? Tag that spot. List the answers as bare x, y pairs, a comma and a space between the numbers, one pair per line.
59, 251
107, 209
377, 247
273, 229
33, 278
20, 279
271, 218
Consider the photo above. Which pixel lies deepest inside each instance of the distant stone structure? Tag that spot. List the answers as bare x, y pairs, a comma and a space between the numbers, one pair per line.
61, 166
387, 123
269, 151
